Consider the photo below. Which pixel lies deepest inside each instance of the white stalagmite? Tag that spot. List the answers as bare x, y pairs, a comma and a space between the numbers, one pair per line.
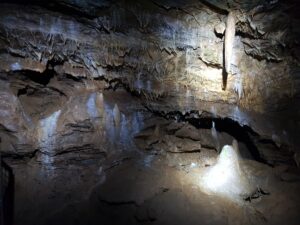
229, 40
226, 177
235, 145
117, 115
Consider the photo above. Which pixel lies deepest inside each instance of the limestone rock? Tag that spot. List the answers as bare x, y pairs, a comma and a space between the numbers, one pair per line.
175, 144
188, 131
174, 126
171, 59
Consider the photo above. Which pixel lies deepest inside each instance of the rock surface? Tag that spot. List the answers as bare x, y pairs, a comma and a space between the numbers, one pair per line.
166, 52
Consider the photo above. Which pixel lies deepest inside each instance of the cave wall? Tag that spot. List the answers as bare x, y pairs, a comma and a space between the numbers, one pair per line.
169, 53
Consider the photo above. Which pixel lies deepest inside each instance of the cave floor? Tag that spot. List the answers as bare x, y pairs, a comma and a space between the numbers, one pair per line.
146, 188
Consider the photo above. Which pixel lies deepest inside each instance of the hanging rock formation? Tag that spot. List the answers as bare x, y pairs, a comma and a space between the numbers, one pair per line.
229, 40
228, 46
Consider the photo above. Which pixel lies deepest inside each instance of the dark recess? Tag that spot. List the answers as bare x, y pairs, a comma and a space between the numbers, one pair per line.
55, 6
242, 134
227, 125
41, 78
7, 194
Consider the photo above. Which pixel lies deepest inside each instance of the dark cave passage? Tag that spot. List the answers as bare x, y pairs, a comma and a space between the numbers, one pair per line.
242, 134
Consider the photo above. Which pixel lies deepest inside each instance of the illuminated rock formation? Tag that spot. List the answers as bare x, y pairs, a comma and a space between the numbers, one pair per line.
229, 41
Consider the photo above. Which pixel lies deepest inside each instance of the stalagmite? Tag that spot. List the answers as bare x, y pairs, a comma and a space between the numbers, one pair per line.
117, 115
235, 145
226, 177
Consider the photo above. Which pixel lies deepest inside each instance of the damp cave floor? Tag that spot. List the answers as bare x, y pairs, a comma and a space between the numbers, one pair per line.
145, 188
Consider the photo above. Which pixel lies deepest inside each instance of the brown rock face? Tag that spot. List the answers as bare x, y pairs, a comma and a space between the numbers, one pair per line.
57, 60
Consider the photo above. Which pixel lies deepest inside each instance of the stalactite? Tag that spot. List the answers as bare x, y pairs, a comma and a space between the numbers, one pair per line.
229, 39
228, 45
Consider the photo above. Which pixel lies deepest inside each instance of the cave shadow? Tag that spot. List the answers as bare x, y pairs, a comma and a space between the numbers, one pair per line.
241, 133
224, 73
7, 194
224, 79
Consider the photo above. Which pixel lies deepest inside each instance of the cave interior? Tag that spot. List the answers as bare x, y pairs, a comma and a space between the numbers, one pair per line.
160, 112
